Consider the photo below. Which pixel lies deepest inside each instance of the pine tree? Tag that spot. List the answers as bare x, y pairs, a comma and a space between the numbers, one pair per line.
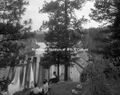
12, 31
64, 30
109, 11
15, 36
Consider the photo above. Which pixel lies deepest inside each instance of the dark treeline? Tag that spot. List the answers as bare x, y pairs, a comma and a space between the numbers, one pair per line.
16, 38
103, 43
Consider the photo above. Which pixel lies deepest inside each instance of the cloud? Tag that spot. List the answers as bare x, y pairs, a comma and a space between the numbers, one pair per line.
37, 18
33, 13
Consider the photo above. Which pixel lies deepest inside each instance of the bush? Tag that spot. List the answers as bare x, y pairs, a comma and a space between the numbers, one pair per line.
95, 87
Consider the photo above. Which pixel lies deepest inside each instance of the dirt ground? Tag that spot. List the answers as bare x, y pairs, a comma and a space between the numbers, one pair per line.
61, 88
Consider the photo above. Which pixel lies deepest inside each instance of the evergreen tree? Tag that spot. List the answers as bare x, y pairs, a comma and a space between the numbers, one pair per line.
105, 41
64, 30
109, 11
12, 31
15, 36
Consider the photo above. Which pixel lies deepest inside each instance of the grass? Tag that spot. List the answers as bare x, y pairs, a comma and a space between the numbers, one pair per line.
24, 92
102, 87
65, 88
61, 88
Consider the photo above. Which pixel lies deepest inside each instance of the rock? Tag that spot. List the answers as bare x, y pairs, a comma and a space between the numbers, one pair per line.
74, 91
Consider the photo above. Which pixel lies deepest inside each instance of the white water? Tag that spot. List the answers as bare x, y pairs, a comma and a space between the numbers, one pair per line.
31, 77
15, 85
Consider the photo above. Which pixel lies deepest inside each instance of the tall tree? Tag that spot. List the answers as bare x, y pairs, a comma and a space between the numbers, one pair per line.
106, 10
13, 33
109, 10
63, 29
11, 30
103, 42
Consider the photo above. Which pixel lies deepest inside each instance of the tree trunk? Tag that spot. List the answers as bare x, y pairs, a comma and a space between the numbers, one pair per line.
66, 26
48, 73
66, 73
58, 65
27, 74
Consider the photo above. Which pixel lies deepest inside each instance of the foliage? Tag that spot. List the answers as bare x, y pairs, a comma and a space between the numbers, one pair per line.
109, 10
12, 32
64, 30
104, 45
16, 38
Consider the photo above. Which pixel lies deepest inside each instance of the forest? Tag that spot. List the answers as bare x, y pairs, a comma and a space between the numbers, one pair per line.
65, 34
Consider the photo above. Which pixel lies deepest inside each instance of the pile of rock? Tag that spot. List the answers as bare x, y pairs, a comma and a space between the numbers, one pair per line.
77, 89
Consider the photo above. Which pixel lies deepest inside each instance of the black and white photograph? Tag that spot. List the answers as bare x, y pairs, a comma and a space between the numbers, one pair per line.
59, 47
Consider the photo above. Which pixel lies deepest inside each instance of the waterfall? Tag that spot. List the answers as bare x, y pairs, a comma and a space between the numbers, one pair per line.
75, 73
24, 76
15, 84
23, 82
31, 77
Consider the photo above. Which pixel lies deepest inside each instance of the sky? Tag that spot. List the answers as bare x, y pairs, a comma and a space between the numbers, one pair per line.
32, 12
